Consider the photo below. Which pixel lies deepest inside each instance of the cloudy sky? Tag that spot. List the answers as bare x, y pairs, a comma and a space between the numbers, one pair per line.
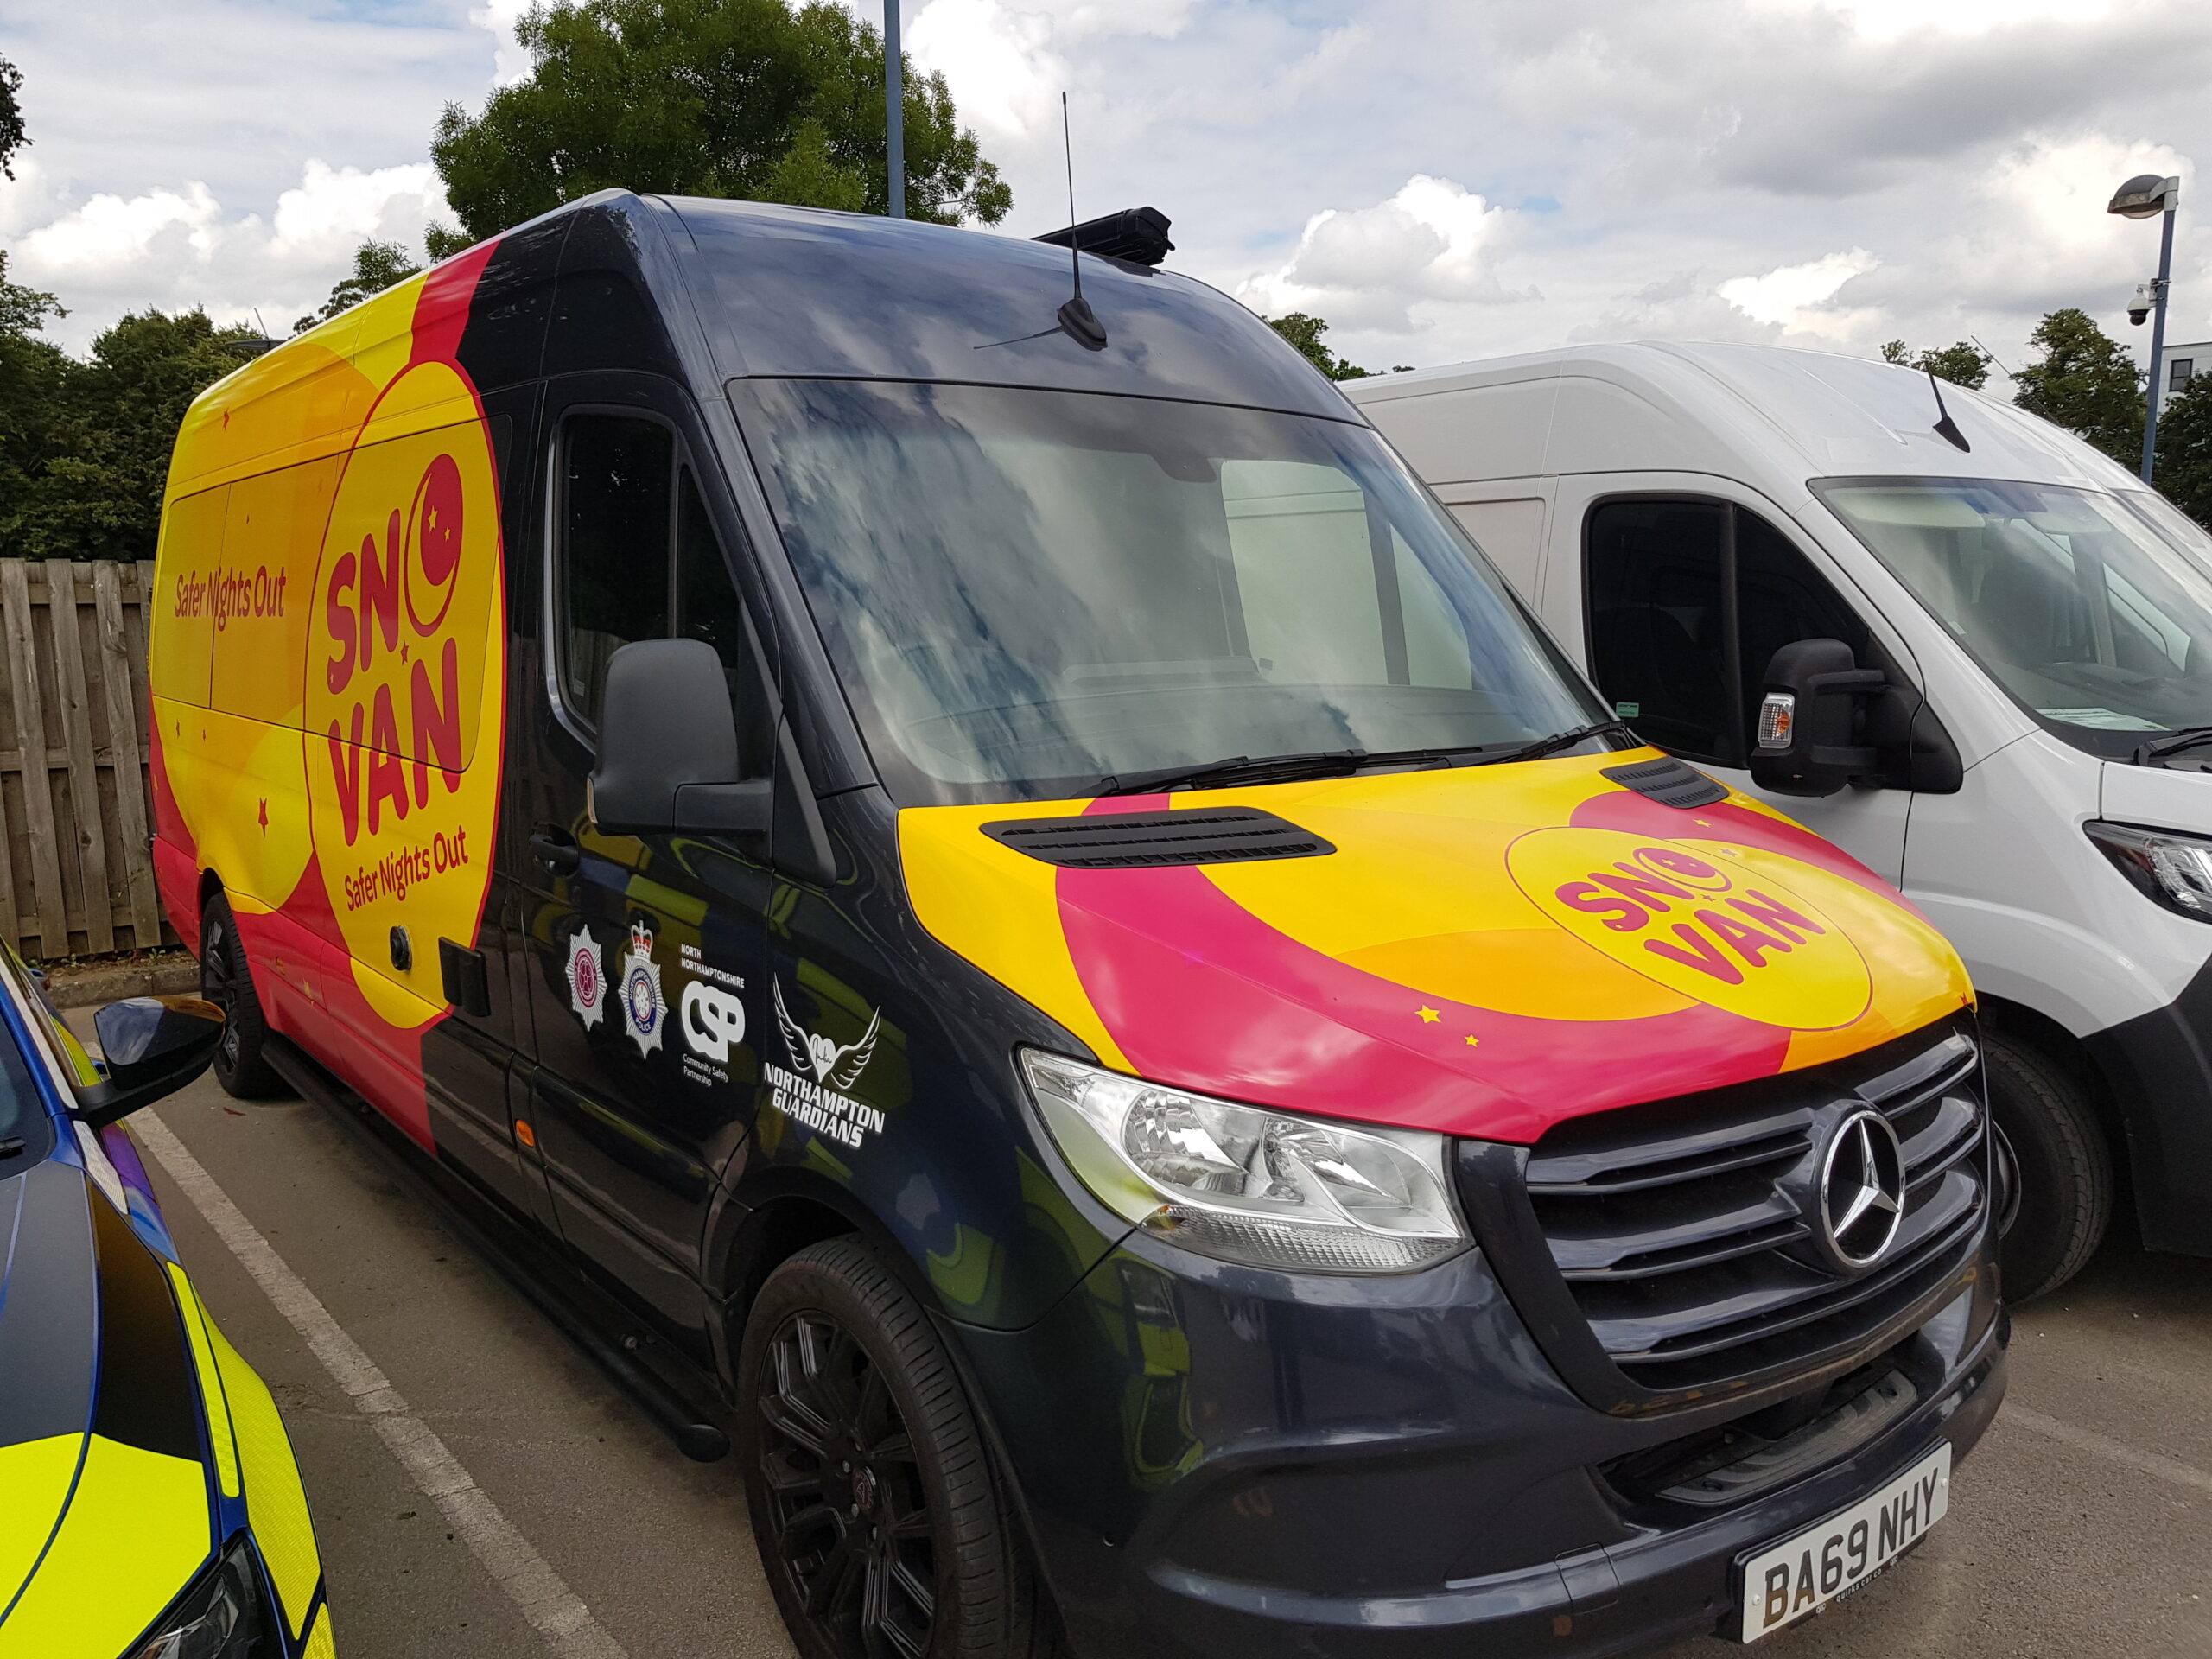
1440, 179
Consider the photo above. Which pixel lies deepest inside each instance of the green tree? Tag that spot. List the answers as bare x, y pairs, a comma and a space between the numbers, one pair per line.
1305, 332
95, 491
1963, 365
12, 136
377, 266
2085, 382
2184, 463
31, 374
749, 99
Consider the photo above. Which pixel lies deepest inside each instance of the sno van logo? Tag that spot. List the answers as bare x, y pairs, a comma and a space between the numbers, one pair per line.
387, 605
1692, 916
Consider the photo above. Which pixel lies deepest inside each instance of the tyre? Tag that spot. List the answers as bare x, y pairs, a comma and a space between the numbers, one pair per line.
2060, 1161
879, 1523
241, 1065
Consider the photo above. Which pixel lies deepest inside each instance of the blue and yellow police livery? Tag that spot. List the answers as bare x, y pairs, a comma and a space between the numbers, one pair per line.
150, 1504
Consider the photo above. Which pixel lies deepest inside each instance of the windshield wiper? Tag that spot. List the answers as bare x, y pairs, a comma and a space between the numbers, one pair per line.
1286, 768
1240, 768
2158, 748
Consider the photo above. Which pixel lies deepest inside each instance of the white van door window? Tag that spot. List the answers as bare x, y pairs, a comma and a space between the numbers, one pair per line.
1689, 600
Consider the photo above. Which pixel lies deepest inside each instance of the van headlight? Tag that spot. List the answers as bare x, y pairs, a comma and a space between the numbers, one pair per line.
1245, 1185
2170, 868
219, 1618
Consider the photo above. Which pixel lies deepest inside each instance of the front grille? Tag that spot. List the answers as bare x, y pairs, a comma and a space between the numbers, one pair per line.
1666, 1251
1122, 841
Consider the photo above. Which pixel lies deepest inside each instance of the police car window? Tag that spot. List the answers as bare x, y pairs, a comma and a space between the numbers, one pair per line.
618, 481
707, 608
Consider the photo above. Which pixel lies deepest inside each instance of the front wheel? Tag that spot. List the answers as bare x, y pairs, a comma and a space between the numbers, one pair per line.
879, 1522
2060, 1164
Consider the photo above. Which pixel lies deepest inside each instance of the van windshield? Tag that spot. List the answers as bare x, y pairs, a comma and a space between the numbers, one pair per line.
1028, 591
2091, 612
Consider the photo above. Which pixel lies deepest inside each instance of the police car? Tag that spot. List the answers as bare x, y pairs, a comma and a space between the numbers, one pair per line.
150, 1504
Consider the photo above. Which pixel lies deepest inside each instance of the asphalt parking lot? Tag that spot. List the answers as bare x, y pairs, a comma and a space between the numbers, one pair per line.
481, 1488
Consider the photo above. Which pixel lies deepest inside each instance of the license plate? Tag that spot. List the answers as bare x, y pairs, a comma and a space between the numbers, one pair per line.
1804, 1574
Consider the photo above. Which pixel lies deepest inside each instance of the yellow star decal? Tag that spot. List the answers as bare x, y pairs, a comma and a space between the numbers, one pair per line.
1430, 1016
1474, 1042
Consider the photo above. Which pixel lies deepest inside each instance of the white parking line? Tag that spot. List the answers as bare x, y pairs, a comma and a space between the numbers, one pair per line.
556, 1611
2172, 1470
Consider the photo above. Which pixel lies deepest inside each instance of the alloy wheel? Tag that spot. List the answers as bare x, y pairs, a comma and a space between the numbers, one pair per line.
219, 984
849, 1512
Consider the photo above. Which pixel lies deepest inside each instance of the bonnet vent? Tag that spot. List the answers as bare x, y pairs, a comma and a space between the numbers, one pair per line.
1127, 841
1668, 782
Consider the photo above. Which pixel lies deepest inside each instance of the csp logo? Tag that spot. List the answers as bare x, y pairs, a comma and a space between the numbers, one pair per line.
1692, 916
403, 641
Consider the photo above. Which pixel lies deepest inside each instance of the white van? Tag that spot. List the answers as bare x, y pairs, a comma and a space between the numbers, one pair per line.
2014, 728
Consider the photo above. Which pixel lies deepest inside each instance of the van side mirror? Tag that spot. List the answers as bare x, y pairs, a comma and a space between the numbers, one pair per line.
668, 755
1808, 741
153, 1047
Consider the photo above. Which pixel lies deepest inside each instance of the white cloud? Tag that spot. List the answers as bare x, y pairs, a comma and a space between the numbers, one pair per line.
335, 209
177, 248
1004, 77
511, 63
1793, 297
1433, 240
1886, 20
108, 232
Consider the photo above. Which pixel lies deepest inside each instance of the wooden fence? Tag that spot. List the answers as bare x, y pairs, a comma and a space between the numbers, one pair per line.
76, 868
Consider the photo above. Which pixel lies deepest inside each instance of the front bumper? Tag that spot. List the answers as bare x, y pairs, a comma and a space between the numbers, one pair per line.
1218, 1461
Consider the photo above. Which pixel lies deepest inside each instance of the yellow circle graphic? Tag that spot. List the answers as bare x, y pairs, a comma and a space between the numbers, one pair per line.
1691, 917
404, 675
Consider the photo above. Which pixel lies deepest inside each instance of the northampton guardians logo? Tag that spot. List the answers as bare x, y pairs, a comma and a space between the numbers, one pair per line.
814, 1096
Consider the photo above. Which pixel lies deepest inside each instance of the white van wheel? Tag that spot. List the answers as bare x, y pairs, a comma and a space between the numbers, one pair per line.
2060, 1160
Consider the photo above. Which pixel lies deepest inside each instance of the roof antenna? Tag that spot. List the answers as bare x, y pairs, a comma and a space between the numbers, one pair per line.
1945, 428
1075, 316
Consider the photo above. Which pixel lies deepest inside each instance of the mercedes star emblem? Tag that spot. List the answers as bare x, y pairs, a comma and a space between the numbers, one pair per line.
1862, 1190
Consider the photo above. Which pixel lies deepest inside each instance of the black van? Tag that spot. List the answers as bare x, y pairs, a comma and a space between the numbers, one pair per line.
1001, 879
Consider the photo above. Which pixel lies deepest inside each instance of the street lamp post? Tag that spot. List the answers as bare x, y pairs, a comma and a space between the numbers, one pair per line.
894, 110
2146, 196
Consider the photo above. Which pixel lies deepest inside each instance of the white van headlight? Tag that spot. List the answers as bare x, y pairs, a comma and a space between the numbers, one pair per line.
2171, 869
1245, 1185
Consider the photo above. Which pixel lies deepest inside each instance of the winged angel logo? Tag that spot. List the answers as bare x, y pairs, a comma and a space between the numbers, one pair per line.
817, 1099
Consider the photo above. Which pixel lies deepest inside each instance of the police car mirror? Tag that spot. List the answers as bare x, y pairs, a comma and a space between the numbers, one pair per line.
1808, 741
668, 753
152, 1046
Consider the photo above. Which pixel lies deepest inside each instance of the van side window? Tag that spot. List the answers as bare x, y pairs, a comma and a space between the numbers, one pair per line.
617, 484
1657, 626
1689, 602
1781, 598
707, 608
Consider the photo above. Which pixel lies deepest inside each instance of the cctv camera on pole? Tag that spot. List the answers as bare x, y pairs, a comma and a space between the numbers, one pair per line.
2146, 196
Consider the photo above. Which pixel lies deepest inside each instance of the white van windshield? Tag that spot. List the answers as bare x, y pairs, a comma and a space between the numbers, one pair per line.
2086, 607
1028, 591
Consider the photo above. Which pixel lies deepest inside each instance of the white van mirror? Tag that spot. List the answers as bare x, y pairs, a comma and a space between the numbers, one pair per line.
1810, 737
668, 751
